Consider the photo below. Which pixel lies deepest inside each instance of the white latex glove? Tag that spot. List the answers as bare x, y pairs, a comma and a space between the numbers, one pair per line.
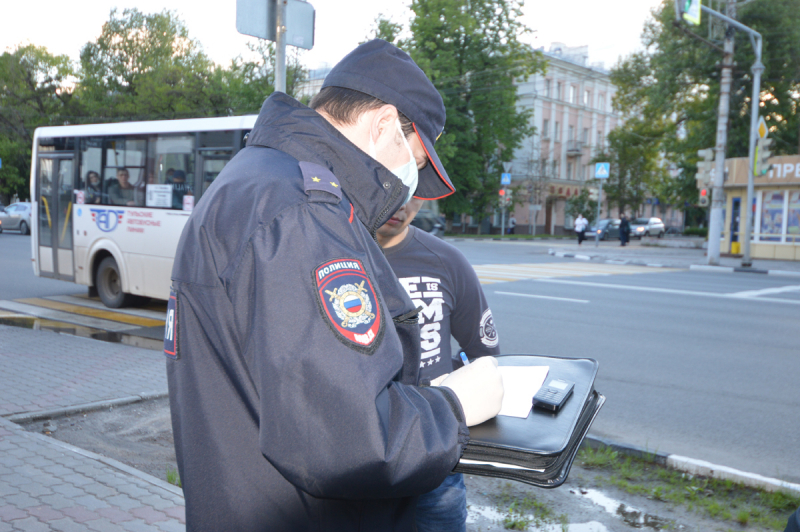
479, 388
438, 380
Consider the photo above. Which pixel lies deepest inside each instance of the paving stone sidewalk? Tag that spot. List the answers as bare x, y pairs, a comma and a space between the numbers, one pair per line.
43, 370
46, 484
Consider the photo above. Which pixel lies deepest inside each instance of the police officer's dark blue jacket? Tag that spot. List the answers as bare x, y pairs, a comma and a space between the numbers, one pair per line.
294, 366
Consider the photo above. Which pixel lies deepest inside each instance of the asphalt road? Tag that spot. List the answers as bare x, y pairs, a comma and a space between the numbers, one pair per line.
699, 364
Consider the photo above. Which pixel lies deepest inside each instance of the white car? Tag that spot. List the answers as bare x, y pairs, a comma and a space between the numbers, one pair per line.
16, 217
647, 227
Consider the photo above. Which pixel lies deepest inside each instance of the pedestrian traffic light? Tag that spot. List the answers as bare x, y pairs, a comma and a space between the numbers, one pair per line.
763, 153
703, 202
704, 167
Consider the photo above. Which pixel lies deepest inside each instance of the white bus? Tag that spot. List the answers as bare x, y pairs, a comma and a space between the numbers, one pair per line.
109, 201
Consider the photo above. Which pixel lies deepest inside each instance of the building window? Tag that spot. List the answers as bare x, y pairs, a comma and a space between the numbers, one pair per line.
556, 132
573, 97
558, 90
571, 133
545, 129
569, 170
587, 98
599, 139
547, 88
585, 137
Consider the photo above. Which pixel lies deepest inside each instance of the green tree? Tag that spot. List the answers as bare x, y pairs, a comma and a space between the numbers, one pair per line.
145, 66
582, 204
35, 90
249, 82
674, 86
472, 53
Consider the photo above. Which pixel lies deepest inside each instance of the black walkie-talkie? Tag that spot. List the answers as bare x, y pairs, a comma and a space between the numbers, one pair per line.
553, 394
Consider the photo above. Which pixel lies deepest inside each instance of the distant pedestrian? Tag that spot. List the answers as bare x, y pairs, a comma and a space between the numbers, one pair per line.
580, 228
512, 223
624, 229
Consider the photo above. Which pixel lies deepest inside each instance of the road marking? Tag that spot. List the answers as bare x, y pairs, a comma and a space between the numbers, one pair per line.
496, 273
66, 317
669, 291
544, 297
93, 303
767, 291
92, 312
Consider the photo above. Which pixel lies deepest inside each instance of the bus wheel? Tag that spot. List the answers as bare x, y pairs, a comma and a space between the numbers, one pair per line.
109, 284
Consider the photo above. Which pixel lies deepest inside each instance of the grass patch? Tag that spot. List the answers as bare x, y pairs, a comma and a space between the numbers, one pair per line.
173, 477
721, 500
522, 513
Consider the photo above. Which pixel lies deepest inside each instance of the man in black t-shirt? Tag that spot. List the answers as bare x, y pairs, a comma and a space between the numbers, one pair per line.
439, 279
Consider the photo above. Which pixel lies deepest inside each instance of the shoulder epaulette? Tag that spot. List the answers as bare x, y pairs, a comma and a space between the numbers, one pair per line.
318, 179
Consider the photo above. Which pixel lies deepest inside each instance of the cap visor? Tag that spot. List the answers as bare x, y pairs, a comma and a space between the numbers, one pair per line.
434, 183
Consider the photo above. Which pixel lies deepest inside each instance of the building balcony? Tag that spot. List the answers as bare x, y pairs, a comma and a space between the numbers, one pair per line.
574, 148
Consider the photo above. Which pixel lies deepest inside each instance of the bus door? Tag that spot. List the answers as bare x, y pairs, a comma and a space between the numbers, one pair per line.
54, 225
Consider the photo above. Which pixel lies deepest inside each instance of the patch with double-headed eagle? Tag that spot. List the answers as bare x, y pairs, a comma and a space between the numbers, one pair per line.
349, 302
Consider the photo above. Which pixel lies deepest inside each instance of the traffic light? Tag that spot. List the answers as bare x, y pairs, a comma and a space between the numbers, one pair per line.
763, 153
505, 197
704, 167
593, 194
703, 202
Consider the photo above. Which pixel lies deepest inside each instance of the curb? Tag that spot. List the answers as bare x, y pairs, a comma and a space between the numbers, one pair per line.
99, 458
695, 467
578, 256
85, 407
739, 269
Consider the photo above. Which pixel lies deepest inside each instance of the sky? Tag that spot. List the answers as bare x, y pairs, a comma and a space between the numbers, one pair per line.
610, 28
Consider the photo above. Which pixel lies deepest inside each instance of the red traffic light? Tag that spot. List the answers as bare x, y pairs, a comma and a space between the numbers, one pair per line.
703, 192
502, 192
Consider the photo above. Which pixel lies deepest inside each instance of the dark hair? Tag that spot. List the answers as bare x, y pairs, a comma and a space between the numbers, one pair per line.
89, 174
346, 105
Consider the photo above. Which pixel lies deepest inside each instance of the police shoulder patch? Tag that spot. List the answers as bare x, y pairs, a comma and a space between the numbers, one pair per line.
349, 303
318, 179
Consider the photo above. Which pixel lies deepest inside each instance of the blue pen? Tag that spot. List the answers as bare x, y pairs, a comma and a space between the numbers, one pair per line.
464, 358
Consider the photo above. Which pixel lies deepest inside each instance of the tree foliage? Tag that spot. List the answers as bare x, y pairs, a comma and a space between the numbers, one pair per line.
141, 67
472, 54
34, 92
582, 204
673, 86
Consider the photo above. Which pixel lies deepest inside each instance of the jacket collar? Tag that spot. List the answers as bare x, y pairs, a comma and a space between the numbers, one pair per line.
289, 126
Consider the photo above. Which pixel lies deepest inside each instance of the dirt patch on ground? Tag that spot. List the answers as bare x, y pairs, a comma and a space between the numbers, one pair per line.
139, 435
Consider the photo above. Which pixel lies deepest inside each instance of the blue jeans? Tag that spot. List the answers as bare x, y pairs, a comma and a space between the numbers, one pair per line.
445, 508
794, 522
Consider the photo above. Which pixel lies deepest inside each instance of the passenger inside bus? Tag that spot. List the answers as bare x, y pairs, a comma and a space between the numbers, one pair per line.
180, 188
93, 192
121, 192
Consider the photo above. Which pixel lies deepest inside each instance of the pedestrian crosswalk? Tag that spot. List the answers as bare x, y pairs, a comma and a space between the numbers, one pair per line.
503, 273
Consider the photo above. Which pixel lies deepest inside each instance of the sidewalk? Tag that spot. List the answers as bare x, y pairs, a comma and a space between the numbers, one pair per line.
650, 252
49, 485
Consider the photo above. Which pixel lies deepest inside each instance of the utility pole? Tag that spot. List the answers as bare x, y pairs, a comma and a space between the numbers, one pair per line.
280, 46
717, 193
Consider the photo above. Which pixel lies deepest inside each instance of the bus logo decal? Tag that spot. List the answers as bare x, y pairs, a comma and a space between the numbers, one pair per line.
107, 219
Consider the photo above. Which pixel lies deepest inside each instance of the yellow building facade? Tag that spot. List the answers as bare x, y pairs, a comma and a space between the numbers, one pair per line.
776, 209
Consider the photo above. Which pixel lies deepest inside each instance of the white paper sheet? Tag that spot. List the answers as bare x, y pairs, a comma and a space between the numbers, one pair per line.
466, 461
520, 384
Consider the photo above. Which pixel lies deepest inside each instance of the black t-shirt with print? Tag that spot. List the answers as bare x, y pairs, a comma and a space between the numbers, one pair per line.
439, 279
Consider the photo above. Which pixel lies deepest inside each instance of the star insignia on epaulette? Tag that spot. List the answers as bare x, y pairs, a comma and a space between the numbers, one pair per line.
334, 184
315, 179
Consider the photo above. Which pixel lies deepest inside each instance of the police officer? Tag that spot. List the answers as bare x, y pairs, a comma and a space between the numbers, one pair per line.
293, 351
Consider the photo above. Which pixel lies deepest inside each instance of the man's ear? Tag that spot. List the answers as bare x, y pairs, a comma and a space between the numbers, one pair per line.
383, 122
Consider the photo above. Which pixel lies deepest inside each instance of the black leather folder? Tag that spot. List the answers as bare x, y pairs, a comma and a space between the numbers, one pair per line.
538, 450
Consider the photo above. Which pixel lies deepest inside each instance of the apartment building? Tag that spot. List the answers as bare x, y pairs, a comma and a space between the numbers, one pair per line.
572, 115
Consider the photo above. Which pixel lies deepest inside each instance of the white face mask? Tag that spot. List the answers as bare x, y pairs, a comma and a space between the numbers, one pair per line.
408, 173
